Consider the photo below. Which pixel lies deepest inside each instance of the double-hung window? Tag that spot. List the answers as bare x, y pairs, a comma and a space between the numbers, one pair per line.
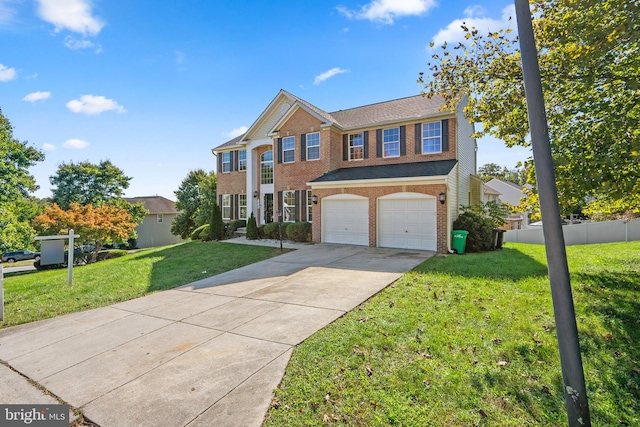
289, 206
160, 218
356, 146
309, 205
391, 142
288, 149
242, 160
266, 167
226, 162
431, 138
313, 146
226, 206
242, 206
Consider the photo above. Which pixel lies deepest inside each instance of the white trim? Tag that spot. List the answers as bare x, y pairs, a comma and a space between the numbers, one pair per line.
422, 138
296, 105
345, 197
407, 195
394, 142
381, 182
306, 146
266, 112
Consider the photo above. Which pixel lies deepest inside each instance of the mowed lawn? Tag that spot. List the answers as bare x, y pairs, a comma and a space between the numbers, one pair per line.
40, 295
470, 341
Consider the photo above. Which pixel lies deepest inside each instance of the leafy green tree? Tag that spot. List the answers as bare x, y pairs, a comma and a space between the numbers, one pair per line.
85, 183
589, 55
491, 170
15, 231
15, 160
195, 198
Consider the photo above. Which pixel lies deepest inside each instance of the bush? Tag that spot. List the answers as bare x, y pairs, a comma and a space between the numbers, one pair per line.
480, 231
252, 228
216, 229
110, 254
196, 234
271, 231
261, 234
299, 231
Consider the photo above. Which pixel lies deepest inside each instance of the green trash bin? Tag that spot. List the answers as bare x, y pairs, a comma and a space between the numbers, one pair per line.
459, 240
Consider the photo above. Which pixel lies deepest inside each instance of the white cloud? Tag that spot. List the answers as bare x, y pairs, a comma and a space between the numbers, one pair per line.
385, 11
72, 15
90, 104
475, 17
327, 75
37, 96
75, 144
48, 147
235, 132
7, 73
7, 13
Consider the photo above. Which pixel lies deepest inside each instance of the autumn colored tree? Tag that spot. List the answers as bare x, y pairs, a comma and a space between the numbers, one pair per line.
589, 55
101, 225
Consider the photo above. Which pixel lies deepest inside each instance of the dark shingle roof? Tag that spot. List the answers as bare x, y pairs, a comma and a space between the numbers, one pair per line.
230, 143
155, 204
413, 107
396, 170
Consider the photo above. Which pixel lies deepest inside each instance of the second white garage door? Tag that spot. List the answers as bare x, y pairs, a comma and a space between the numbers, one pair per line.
407, 221
345, 220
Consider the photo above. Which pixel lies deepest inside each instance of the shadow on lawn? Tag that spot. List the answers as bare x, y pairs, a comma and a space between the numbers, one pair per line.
612, 358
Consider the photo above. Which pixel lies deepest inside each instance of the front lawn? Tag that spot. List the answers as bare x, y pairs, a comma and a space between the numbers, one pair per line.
470, 341
41, 295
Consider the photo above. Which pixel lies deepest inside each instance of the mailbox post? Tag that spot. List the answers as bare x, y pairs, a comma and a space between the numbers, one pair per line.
71, 236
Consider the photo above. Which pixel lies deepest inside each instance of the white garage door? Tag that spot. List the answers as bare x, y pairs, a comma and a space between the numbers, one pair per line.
345, 221
407, 221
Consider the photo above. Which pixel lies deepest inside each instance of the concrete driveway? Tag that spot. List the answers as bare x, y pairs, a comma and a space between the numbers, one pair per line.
206, 354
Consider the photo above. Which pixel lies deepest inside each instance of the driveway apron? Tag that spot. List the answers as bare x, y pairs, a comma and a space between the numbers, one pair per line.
206, 354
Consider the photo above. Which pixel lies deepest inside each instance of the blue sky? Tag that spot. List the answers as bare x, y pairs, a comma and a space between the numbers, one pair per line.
154, 85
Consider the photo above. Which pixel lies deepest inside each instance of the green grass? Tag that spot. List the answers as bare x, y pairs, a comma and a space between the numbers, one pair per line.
40, 295
470, 340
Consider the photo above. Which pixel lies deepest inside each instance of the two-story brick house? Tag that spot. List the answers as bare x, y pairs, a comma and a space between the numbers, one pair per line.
391, 174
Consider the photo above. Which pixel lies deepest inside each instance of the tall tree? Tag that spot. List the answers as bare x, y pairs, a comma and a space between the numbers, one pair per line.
195, 198
15, 160
491, 170
589, 58
101, 225
85, 183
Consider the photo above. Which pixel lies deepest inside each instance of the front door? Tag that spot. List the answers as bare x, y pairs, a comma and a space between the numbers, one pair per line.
268, 208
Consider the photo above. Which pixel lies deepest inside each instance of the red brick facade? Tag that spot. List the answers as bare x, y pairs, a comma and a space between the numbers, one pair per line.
294, 175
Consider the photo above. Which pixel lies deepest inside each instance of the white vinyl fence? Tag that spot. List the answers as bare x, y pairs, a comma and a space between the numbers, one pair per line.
582, 234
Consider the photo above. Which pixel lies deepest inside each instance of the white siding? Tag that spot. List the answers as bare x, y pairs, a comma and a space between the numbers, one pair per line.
266, 123
466, 155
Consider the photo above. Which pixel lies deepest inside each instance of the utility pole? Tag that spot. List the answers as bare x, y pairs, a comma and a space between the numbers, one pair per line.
575, 392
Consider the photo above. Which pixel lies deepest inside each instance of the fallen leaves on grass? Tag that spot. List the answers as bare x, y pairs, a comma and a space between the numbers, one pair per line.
502, 363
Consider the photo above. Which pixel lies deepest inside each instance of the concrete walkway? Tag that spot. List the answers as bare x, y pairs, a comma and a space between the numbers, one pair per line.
206, 354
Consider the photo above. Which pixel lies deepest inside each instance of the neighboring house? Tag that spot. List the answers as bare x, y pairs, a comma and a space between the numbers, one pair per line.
155, 230
509, 193
391, 174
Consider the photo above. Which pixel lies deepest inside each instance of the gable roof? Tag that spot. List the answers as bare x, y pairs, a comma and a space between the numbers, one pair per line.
155, 204
381, 113
396, 170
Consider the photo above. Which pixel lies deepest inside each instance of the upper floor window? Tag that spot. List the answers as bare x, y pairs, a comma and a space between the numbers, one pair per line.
266, 167
431, 138
226, 206
160, 218
289, 206
391, 142
313, 146
242, 160
288, 149
356, 146
226, 162
242, 206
